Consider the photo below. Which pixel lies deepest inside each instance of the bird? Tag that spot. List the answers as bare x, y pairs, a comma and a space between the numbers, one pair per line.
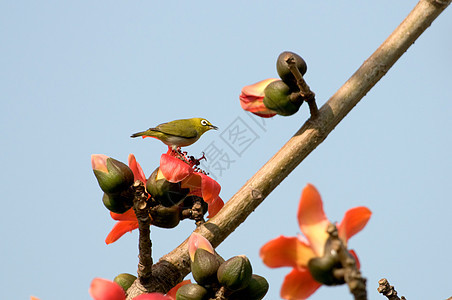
178, 133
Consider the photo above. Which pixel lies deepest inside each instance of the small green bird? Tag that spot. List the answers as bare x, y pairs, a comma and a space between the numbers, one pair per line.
178, 133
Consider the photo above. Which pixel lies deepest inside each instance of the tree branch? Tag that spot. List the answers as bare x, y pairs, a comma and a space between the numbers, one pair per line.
352, 276
312, 133
144, 242
388, 290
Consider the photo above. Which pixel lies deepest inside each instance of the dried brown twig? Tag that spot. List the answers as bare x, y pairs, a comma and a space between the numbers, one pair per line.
388, 290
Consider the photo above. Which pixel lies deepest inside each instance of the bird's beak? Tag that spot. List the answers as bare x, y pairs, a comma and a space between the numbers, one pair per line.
213, 127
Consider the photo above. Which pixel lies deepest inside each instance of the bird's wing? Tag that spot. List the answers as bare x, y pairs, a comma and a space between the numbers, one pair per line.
182, 128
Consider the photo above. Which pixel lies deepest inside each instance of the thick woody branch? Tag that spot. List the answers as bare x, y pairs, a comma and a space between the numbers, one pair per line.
312, 133
144, 242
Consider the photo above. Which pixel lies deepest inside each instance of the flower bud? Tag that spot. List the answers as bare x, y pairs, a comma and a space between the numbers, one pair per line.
113, 176
204, 267
125, 280
235, 273
163, 191
322, 269
165, 217
191, 291
256, 289
283, 68
281, 99
118, 203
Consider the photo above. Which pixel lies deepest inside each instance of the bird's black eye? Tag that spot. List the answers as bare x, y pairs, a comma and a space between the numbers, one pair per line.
204, 122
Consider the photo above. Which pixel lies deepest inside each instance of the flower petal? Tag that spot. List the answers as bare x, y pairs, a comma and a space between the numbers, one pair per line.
312, 219
174, 169
103, 289
127, 216
214, 207
210, 188
193, 182
120, 229
138, 173
173, 291
152, 296
196, 241
99, 162
353, 253
257, 89
286, 252
353, 222
252, 96
298, 284
33, 298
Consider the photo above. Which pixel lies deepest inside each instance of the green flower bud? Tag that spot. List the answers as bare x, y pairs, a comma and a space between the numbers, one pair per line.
322, 268
117, 178
235, 273
191, 291
281, 99
204, 267
256, 289
165, 217
163, 191
283, 70
125, 280
117, 203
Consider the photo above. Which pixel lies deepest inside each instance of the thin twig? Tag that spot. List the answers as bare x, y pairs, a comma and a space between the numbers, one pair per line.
352, 276
311, 134
388, 290
305, 92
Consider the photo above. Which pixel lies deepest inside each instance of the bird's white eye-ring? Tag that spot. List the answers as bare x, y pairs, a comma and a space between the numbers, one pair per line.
204, 123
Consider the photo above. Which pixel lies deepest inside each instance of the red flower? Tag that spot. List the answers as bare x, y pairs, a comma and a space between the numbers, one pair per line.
197, 241
297, 251
176, 170
252, 97
103, 289
128, 220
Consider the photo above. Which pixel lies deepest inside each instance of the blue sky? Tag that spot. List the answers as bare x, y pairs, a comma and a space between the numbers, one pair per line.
79, 77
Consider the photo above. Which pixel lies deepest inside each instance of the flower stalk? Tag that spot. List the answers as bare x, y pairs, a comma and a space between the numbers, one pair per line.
351, 274
305, 91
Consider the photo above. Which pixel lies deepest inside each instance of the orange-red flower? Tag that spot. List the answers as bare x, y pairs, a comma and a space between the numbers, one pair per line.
252, 97
297, 251
104, 289
174, 170
197, 241
127, 221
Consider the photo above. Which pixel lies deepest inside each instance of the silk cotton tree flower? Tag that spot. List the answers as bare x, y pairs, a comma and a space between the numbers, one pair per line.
177, 170
173, 170
126, 221
104, 289
298, 252
252, 98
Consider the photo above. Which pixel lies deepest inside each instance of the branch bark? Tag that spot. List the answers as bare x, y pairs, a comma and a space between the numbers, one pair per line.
388, 290
312, 133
